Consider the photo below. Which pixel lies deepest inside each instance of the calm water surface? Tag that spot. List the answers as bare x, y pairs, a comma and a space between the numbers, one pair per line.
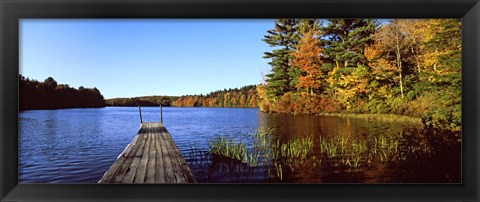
79, 145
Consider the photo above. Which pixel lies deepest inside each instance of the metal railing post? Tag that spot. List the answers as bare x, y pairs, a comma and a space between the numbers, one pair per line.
140, 112
161, 114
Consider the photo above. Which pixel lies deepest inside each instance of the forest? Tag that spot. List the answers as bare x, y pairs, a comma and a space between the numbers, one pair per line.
405, 67
51, 95
238, 97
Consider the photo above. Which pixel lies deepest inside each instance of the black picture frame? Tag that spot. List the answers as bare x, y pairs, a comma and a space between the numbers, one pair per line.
13, 10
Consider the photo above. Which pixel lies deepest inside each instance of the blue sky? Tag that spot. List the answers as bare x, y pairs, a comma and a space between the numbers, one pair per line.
128, 58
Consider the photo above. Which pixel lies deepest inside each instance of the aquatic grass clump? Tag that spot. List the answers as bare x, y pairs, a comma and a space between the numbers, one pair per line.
296, 153
229, 148
226, 147
386, 148
253, 158
348, 152
271, 154
297, 148
262, 138
328, 147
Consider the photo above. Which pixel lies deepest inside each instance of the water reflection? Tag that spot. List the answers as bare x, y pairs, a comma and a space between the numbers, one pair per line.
333, 149
79, 145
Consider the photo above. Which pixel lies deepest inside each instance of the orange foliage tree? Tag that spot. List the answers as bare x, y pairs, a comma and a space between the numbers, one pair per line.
307, 59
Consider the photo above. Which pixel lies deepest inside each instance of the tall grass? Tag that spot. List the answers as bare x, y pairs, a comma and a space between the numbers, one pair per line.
276, 156
297, 148
348, 152
226, 147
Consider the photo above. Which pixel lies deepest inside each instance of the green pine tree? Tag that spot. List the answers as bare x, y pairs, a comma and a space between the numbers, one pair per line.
285, 37
344, 42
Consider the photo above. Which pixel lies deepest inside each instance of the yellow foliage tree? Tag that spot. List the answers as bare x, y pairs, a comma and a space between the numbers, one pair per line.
352, 85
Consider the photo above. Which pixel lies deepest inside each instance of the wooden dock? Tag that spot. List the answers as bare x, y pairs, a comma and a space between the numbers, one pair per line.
152, 157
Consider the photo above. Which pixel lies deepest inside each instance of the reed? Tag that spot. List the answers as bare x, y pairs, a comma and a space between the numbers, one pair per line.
276, 156
349, 152
226, 147
297, 148
229, 148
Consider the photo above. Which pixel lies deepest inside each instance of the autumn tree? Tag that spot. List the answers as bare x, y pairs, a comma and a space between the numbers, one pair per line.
418, 33
384, 74
238, 97
353, 85
443, 67
344, 41
445, 43
306, 58
304, 25
396, 42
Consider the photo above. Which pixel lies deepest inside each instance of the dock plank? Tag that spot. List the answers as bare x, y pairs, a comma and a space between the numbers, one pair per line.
151, 157
169, 174
150, 169
133, 168
143, 160
107, 177
177, 172
125, 167
160, 165
183, 168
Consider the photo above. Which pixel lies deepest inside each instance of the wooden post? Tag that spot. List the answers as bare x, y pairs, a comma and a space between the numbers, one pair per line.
161, 114
140, 112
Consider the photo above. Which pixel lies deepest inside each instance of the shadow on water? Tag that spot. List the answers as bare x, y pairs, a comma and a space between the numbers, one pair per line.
440, 163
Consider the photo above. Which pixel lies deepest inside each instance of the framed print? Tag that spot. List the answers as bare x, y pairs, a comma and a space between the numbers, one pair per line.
226, 100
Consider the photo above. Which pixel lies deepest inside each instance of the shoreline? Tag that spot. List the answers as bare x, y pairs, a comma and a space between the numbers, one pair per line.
370, 117
378, 117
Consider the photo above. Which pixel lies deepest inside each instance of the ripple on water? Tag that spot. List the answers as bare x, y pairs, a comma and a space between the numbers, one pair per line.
79, 145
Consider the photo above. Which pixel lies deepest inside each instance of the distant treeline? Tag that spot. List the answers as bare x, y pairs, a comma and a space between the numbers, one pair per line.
143, 101
243, 97
51, 95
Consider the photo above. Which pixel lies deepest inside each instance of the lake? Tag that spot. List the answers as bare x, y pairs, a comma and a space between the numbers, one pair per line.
79, 145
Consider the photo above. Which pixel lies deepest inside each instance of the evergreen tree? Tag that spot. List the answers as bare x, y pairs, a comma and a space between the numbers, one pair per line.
285, 37
344, 42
